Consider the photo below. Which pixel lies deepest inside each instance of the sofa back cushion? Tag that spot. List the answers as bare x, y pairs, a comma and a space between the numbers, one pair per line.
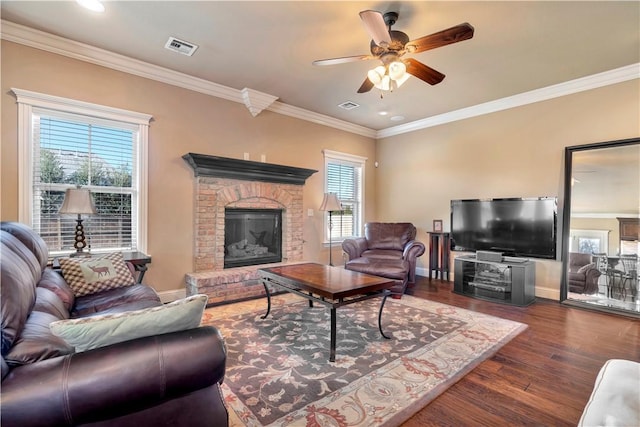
18, 290
30, 239
36, 341
54, 281
389, 235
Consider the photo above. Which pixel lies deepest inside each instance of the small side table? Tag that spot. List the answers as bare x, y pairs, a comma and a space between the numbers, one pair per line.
439, 254
139, 260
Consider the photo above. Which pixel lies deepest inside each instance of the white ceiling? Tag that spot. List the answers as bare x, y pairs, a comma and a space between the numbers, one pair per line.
269, 47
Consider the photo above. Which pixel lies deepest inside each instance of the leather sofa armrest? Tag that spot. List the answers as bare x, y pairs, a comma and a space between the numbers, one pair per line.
354, 247
111, 381
412, 251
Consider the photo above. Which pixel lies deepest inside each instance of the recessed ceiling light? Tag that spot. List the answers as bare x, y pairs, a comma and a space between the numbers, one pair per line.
94, 5
396, 118
383, 113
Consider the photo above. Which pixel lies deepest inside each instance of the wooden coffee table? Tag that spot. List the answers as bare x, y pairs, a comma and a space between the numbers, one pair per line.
326, 285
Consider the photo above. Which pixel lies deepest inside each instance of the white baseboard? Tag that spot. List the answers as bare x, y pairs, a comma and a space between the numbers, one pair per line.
169, 296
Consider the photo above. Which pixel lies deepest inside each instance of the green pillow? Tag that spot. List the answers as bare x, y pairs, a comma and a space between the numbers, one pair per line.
98, 331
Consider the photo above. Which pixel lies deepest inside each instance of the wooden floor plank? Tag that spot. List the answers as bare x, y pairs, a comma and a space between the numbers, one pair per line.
544, 376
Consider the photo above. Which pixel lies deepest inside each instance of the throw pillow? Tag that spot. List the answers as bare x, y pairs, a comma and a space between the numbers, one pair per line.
96, 274
102, 330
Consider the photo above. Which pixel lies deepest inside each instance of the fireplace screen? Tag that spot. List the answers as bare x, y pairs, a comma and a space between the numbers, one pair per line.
252, 236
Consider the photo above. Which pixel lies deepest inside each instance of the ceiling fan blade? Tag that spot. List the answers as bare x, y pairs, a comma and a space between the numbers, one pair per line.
441, 38
424, 73
375, 26
366, 86
342, 60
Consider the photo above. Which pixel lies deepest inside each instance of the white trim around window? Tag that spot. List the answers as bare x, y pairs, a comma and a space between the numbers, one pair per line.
352, 198
29, 101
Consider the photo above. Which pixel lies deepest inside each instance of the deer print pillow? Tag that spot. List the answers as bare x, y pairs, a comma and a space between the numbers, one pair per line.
89, 275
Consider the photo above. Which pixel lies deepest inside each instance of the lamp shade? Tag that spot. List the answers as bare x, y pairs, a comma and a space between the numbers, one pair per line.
77, 201
330, 203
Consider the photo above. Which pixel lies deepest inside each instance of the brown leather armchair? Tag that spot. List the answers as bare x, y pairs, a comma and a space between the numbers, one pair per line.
387, 250
583, 274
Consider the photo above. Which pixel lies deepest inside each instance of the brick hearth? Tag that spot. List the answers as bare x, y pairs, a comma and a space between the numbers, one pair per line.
212, 195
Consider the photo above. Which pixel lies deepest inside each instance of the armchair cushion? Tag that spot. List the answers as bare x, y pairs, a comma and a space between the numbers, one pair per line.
102, 330
583, 275
96, 274
395, 236
385, 244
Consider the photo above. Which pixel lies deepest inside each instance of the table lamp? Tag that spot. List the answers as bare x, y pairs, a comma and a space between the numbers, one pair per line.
330, 204
78, 201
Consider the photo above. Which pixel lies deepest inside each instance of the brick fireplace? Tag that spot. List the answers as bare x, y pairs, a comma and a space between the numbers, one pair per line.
223, 183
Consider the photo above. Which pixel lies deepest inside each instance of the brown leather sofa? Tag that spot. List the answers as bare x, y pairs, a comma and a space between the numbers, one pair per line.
388, 250
583, 274
171, 379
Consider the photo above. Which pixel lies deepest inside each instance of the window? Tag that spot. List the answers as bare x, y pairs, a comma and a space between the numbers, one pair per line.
589, 241
66, 143
344, 175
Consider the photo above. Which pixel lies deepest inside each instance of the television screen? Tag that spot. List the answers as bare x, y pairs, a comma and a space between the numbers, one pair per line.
516, 227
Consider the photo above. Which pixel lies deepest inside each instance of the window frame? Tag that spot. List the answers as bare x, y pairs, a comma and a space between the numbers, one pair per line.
33, 102
356, 161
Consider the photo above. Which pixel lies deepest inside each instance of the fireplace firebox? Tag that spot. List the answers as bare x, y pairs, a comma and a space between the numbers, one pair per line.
252, 236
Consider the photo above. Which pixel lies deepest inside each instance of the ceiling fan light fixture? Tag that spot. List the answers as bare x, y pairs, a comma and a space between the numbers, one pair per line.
385, 83
397, 70
402, 79
375, 75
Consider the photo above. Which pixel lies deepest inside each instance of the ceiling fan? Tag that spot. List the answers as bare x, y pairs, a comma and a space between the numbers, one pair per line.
389, 46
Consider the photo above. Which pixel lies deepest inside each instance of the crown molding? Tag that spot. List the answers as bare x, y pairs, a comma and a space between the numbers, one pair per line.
256, 101
321, 119
594, 81
51, 43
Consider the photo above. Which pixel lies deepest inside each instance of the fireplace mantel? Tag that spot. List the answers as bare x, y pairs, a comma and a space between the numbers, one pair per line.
224, 167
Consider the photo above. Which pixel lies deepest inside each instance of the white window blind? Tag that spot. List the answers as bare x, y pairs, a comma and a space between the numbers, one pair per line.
76, 151
88, 146
345, 177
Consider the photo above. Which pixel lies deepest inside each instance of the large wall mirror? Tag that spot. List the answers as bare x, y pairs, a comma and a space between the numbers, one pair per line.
601, 226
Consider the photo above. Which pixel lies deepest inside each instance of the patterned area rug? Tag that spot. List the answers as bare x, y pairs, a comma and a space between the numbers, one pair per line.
279, 374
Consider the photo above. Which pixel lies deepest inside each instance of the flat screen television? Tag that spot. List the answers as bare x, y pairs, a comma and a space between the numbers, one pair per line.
523, 227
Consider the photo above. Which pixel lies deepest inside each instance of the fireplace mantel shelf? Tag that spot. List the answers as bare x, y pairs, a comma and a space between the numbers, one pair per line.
224, 167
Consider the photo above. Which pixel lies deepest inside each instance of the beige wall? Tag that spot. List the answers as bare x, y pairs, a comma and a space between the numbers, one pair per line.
513, 153
183, 121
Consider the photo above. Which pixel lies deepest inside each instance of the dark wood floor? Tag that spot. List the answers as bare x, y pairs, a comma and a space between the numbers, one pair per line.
542, 377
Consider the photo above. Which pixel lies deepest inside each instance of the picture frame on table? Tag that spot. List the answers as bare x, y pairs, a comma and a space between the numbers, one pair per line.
437, 225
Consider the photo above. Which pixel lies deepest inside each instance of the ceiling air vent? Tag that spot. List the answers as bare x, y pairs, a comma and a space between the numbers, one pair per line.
180, 46
348, 105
